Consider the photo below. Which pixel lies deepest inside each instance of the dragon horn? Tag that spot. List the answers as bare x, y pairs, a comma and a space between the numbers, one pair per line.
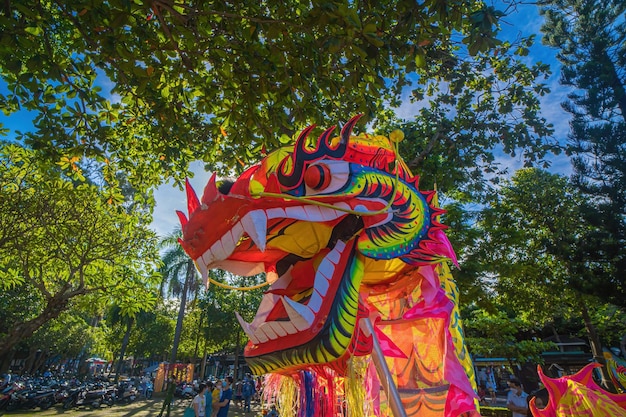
192, 199
210, 191
346, 130
182, 218
325, 136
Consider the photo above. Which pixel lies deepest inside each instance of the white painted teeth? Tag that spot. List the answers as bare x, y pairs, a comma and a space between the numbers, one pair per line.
315, 302
255, 225
277, 328
247, 328
300, 315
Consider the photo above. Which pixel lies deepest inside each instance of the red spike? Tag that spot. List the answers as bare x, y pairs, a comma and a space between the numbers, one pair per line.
184, 244
273, 185
210, 191
192, 199
429, 195
182, 218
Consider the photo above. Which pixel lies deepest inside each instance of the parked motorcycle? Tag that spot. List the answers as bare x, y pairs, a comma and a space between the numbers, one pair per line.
91, 396
149, 389
185, 391
30, 398
6, 395
126, 393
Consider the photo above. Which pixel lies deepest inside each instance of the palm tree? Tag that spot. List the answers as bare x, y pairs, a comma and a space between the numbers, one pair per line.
179, 278
115, 316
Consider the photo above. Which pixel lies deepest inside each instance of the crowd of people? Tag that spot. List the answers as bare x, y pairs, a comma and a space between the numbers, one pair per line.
213, 398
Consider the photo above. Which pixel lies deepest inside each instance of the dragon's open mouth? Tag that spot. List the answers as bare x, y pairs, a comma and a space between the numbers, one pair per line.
304, 284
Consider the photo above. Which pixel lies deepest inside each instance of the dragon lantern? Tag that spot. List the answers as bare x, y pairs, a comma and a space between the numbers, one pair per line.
356, 260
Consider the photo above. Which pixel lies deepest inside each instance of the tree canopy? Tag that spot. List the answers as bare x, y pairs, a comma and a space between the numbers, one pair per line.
61, 239
590, 37
144, 88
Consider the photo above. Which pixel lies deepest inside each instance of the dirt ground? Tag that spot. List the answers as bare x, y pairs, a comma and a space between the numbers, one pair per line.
139, 408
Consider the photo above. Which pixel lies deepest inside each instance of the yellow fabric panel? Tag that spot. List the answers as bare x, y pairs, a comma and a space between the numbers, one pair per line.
317, 236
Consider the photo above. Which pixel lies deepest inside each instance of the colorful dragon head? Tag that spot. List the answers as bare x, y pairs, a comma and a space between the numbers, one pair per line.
335, 228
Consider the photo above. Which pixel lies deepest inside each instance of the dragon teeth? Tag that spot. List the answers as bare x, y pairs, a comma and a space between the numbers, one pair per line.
267, 303
268, 329
255, 225
277, 327
204, 272
315, 302
247, 328
276, 213
300, 315
260, 336
296, 212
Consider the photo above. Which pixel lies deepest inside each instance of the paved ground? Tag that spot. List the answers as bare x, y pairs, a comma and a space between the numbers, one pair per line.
151, 408
139, 408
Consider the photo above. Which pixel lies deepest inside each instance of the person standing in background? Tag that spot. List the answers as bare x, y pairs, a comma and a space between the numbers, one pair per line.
199, 401
208, 400
517, 400
225, 397
247, 391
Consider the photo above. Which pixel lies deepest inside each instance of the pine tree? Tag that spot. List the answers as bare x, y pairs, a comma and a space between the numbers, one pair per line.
591, 39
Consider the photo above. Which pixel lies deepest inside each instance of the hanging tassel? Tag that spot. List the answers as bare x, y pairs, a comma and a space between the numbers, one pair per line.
281, 391
357, 400
308, 388
372, 386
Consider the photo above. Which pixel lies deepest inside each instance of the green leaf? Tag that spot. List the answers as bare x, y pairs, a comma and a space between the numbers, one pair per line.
33, 30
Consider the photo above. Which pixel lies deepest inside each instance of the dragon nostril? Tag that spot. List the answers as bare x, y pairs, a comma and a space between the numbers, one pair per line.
317, 176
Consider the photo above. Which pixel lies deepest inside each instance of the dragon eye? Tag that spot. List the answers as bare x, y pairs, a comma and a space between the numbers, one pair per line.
317, 176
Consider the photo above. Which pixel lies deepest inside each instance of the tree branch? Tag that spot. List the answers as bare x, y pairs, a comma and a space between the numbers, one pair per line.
416, 162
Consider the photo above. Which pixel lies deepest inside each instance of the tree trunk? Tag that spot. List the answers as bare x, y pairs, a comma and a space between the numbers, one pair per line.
5, 361
181, 310
129, 327
237, 348
195, 350
23, 330
39, 362
557, 337
113, 364
203, 365
596, 346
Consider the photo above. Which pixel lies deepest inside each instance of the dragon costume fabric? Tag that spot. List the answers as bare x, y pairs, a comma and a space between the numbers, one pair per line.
617, 370
578, 395
345, 238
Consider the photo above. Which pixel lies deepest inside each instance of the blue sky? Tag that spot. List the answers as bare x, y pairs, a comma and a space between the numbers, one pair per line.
523, 22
